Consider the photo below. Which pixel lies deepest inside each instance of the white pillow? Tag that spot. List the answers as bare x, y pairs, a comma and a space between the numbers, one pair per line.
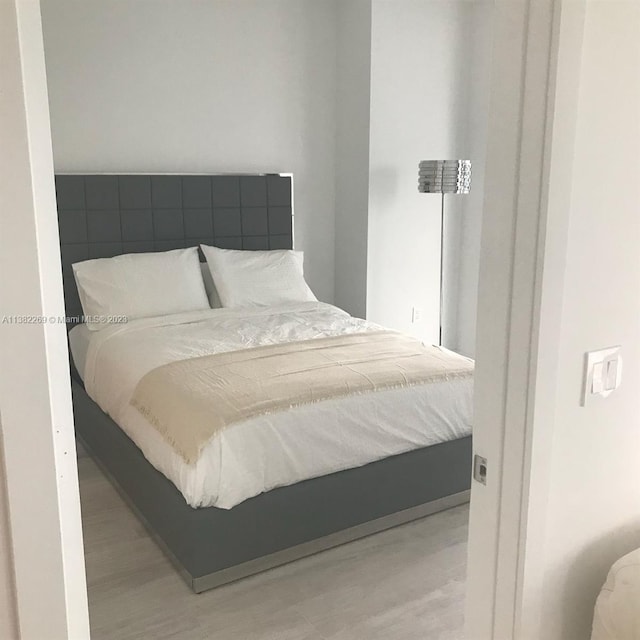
257, 278
210, 288
138, 285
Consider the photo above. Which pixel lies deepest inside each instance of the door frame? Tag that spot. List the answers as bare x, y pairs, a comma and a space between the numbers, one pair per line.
37, 431
524, 245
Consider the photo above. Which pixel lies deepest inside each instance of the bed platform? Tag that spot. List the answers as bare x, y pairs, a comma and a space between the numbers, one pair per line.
212, 546
102, 216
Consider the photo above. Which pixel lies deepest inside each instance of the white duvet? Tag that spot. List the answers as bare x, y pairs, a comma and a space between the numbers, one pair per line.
262, 453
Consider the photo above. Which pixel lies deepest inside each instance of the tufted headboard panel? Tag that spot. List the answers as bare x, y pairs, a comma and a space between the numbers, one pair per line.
101, 216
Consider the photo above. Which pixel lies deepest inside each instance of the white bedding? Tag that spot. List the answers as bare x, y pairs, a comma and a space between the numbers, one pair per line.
79, 339
262, 453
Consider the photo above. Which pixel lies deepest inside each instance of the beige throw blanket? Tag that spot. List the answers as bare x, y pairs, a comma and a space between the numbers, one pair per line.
189, 401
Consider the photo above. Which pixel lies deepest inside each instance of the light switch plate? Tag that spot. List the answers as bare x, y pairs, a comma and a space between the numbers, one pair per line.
602, 373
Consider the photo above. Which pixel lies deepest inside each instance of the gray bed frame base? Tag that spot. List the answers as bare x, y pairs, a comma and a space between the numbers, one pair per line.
211, 547
106, 215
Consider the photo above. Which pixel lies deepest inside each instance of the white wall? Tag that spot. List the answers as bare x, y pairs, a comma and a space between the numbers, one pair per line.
593, 515
428, 66
317, 88
193, 86
353, 97
463, 247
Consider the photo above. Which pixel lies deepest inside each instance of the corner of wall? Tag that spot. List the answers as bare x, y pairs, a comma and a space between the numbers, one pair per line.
353, 94
8, 604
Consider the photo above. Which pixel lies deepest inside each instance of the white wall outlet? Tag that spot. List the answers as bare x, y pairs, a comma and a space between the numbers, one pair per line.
602, 373
416, 315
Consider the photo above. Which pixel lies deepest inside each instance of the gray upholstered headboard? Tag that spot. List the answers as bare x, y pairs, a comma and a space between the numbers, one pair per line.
101, 216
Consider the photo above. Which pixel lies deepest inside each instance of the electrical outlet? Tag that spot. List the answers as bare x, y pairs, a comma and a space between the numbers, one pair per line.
416, 315
602, 373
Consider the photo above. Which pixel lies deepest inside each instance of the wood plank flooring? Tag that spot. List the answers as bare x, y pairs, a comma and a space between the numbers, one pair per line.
402, 584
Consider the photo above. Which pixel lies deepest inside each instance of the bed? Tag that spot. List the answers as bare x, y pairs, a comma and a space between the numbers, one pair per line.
274, 487
616, 611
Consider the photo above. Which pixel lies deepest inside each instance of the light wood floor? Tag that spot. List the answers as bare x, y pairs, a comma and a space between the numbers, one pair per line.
403, 584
